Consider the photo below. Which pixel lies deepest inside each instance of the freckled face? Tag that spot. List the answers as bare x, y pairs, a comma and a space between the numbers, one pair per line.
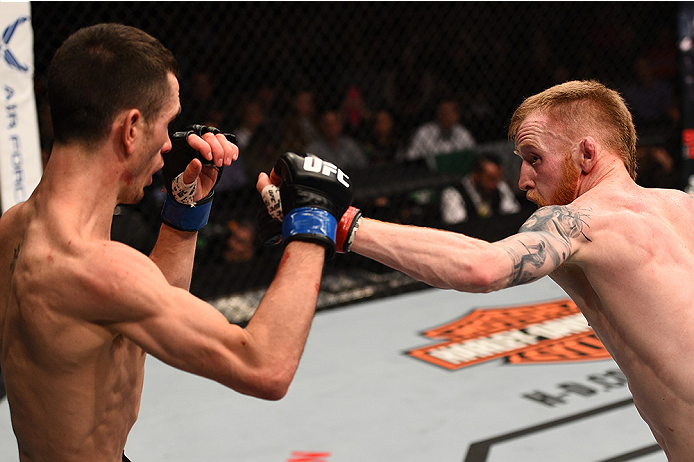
548, 174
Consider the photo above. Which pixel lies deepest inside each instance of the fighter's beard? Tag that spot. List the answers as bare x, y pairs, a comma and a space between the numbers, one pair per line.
566, 189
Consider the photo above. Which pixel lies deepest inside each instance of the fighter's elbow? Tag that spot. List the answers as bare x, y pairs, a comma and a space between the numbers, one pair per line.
271, 384
478, 282
277, 386
272, 392
477, 278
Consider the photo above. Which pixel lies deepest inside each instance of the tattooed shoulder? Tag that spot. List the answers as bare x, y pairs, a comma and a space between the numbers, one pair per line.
545, 242
565, 221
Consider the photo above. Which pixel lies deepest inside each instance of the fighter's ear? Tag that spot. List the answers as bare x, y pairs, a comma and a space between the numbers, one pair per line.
589, 153
131, 126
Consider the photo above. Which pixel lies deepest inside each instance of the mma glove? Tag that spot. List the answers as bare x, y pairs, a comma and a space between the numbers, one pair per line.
270, 228
180, 211
311, 196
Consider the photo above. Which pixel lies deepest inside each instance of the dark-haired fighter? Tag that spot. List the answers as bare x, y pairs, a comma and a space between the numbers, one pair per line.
79, 312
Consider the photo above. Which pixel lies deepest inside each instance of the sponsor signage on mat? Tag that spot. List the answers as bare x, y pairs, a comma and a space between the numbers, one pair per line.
549, 332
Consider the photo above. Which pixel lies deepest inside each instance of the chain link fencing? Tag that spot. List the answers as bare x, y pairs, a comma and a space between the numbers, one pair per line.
355, 82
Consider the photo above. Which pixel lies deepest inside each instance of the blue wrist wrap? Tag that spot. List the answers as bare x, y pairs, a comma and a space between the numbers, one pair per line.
309, 221
184, 217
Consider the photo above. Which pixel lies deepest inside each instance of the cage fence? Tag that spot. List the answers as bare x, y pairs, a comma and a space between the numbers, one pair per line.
356, 82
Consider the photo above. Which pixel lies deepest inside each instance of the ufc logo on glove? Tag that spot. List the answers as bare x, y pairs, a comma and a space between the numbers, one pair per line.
312, 197
317, 165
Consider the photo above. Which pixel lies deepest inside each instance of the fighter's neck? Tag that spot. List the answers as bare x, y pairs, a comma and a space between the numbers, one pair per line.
76, 184
610, 172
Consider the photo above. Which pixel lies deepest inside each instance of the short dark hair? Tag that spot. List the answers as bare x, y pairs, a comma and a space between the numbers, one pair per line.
483, 157
101, 70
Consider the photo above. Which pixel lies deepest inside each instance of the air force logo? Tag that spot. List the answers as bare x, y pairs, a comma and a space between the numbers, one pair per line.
7, 35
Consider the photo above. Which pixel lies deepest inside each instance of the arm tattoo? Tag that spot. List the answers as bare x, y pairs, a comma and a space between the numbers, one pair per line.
15, 257
550, 233
535, 257
564, 221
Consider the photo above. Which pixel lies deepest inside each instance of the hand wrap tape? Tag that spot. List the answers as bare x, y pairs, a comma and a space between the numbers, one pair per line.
273, 201
182, 192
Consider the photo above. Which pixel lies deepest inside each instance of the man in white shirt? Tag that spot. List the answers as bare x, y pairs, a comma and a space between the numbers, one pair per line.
444, 135
334, 146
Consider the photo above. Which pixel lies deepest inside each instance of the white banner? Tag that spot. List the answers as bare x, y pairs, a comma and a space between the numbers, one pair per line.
20, 151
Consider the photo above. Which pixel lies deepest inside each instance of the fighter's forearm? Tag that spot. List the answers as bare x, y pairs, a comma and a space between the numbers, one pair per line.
280, 326
174, 254
439, 258
291, 297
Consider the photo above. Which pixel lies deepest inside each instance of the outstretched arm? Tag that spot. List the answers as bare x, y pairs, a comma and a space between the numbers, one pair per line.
454, 261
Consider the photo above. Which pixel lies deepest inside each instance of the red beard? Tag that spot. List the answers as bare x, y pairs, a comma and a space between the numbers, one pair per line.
566, 189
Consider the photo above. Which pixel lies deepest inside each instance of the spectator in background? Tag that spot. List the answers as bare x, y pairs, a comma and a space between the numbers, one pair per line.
656, 168
334, 146
384, 144
261, 152
259, 132
655, 109
241, 264
235, 190
443, 135
240, 243
199, 100
663, 54
362, 70
481, 194
651, 99
409, 88
269, 95
300, 126
356, 114
251, 119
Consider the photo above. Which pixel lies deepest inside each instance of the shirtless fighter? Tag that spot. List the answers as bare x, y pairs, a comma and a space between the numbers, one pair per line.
79, 312
623, 253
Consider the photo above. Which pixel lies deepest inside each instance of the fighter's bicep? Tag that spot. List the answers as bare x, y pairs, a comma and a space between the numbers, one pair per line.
187, 333
179, 328
533, 255
546, 240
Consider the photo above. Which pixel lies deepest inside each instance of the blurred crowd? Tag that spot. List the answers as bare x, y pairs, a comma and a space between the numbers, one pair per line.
436, 122
360, 132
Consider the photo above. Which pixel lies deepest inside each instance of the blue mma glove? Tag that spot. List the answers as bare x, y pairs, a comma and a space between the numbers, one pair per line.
314, 196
